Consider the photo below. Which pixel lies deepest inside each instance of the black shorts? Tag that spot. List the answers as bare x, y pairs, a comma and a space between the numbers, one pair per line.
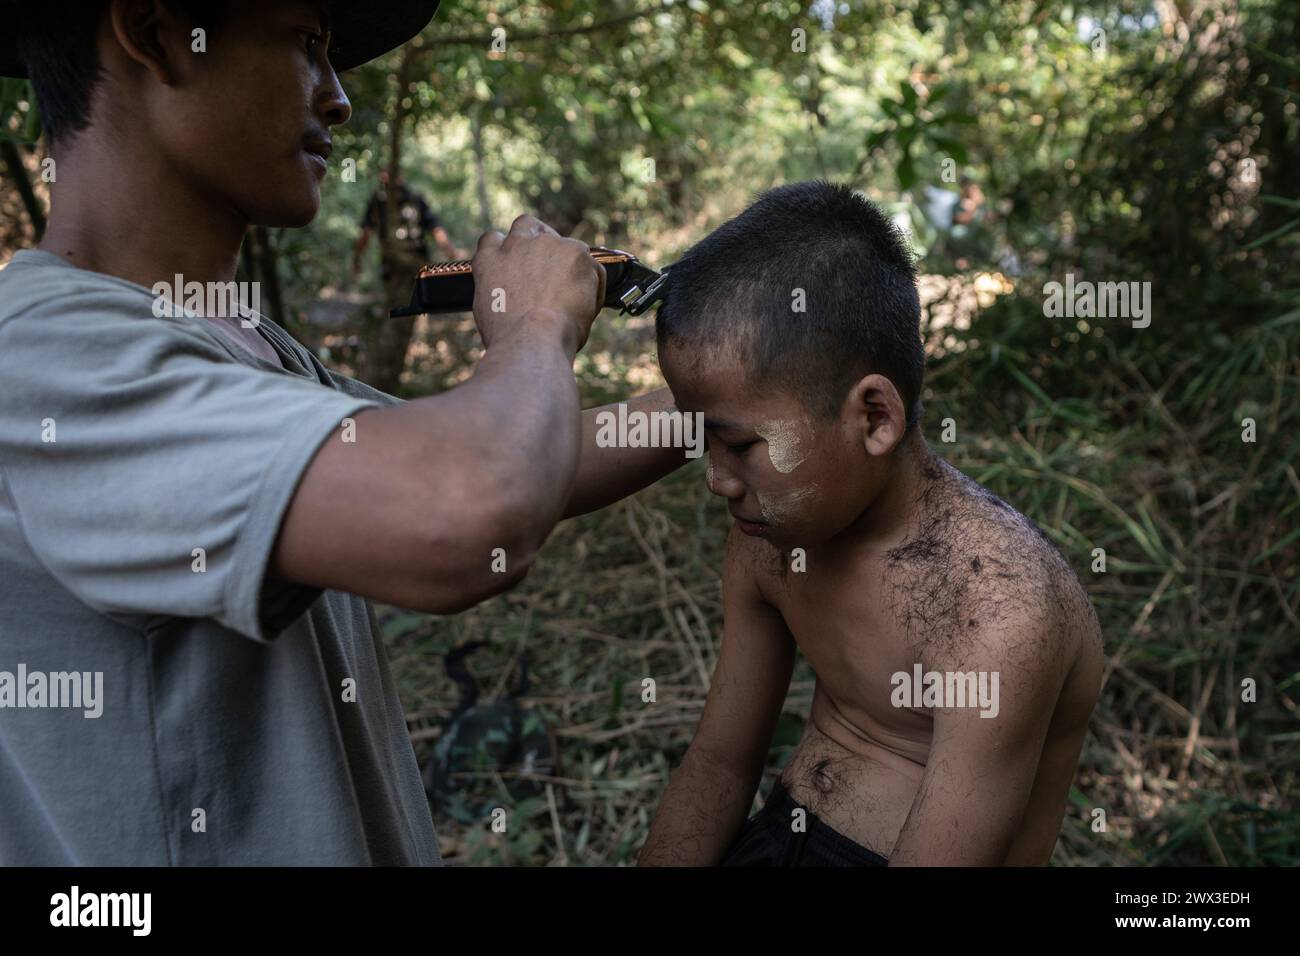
768, 839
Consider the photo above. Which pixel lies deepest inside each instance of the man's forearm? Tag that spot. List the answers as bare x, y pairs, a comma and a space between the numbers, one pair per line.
359, 247
607, 475
700, 815
537, 439
416, 505
445, 245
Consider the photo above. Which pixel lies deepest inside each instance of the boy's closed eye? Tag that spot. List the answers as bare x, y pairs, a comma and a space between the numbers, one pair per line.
735, 438
734, 444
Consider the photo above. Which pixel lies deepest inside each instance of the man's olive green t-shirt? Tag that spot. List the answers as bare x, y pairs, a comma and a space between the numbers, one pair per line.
145, 466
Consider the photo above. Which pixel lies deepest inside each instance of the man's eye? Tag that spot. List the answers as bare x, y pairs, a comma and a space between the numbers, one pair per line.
742, 448
313, 38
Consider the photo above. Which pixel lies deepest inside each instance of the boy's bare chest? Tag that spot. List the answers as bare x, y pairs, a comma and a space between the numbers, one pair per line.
848, 627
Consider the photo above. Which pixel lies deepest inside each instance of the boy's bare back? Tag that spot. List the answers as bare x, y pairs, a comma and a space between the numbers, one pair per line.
972, 586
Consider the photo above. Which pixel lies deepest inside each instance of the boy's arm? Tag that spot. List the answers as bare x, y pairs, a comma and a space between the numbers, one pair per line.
711, 792
607, 475
981, 770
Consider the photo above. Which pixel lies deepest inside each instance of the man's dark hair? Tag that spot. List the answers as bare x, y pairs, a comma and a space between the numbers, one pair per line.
57, 40
737, 288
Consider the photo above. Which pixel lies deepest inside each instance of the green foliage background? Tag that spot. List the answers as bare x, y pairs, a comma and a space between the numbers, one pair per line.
1167, 155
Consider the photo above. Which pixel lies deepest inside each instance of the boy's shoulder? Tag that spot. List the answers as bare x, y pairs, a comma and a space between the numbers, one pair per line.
974, 565
972, 577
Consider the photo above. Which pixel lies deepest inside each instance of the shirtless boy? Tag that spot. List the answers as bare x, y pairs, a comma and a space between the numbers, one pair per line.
794, 329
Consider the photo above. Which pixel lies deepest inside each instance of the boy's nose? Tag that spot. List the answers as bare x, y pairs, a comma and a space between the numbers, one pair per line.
721, 482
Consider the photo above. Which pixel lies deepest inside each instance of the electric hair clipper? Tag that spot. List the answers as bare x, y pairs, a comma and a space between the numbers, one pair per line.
630, 285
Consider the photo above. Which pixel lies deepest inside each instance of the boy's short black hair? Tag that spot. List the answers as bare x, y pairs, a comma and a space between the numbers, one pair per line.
739, 288
57, 40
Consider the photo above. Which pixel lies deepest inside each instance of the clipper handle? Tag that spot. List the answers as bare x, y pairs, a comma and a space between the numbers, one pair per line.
442, 287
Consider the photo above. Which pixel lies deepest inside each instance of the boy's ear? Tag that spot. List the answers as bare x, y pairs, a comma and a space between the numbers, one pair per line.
876, 406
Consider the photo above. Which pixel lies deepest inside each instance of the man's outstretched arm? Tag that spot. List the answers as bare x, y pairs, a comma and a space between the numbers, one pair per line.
607, 475
413, 511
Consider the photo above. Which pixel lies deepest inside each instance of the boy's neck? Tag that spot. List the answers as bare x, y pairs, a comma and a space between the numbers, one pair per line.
886, 520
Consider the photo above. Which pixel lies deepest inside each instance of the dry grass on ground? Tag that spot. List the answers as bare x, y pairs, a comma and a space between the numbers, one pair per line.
1140, 456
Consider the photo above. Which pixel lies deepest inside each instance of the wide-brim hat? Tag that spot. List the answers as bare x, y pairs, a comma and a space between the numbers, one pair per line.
360, 30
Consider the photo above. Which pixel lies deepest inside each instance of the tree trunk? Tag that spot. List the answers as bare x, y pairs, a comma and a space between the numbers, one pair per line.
387, 339
259, 262
269, 267
18, 171
480, 173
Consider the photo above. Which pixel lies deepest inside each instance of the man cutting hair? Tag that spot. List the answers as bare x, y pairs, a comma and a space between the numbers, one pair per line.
193, 510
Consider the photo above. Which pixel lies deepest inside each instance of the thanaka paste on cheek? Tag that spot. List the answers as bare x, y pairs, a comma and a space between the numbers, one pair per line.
783, 441
777, 509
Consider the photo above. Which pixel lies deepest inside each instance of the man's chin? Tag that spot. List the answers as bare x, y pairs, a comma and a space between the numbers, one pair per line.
289, 213
290, 218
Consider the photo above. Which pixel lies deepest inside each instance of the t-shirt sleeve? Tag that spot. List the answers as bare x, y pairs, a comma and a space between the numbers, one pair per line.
150, 471
359, 389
